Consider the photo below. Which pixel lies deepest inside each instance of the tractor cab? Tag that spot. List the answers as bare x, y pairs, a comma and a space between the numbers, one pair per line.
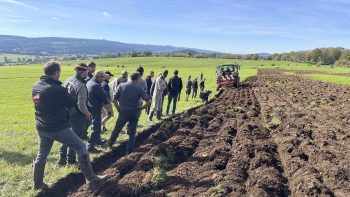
227, 75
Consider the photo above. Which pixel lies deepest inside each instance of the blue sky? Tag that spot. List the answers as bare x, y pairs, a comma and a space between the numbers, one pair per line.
245, 26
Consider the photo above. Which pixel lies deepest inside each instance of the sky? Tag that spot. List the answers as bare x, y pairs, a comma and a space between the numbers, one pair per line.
245, 26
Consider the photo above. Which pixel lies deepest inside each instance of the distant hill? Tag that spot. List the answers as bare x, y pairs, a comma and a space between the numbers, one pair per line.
63, 46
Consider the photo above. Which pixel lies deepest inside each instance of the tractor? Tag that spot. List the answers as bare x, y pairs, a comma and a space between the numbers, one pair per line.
227, 75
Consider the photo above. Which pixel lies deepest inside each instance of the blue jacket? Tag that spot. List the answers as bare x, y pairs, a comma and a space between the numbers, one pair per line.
51, 102
97, 95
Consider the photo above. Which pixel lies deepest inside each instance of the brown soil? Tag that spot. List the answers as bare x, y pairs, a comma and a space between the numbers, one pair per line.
276, 135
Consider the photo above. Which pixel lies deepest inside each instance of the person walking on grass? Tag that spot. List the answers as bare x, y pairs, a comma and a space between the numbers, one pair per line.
188, 87
97, 98
51, 101
79, 114
174, 87
201, 84
159, 86
195, 87
127, 102
149, 85
107, 110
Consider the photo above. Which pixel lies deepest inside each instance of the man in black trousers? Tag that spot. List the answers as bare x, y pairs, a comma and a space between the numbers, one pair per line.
174, 88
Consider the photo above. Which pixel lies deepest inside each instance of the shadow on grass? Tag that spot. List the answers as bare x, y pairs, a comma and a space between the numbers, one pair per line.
17, 157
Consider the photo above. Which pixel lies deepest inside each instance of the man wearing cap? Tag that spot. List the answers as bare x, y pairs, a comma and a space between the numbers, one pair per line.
97, 98
174, 87
79, 114
127, 102
117, 81
51, 101
159, 86
107, 110
149, 85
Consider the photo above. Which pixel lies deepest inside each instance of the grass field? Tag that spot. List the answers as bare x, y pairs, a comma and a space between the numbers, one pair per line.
18, 142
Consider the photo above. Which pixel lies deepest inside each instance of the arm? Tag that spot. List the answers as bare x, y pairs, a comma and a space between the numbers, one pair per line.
82, 97
116, 104
169, 83
180, 84
146, 98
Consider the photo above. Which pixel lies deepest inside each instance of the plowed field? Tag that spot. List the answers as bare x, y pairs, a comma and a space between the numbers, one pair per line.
276, 135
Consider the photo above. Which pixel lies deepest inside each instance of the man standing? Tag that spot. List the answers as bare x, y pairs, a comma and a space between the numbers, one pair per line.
174, 87
195, 88
107, 110
188, 87
149, 85
92, 68
127, 102
116, 82
159, 87
51, 102
79, 114
201, 84
97, 98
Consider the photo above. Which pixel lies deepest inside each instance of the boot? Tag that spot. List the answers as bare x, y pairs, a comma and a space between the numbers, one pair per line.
90, 177
39, 170
151, 116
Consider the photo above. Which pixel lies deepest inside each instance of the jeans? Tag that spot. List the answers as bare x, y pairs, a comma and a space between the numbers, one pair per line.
96, 127
170, 98
65, 136
194, 94
78, 122
126, 116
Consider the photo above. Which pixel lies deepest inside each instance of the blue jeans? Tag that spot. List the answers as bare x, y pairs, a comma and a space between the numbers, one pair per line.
78, 123
65, 136
126, 116
96, 127
174, 99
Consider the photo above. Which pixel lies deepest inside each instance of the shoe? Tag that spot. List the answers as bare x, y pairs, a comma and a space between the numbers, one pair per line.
151, 116
104, 129
90, 177
62, 161
92, 149
85, 137
39, 170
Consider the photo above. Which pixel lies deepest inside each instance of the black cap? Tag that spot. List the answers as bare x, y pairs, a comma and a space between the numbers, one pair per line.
109, 73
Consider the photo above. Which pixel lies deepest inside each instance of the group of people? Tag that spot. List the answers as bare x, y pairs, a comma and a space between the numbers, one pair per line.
193, 85
64, 113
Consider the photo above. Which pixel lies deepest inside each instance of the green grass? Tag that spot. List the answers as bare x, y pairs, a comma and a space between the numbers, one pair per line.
331, 78
19, 143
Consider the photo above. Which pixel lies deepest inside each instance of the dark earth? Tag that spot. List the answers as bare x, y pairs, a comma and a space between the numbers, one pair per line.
276, 135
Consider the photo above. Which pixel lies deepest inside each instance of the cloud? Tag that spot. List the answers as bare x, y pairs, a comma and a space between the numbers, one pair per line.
107, 15
55, 18
20, 4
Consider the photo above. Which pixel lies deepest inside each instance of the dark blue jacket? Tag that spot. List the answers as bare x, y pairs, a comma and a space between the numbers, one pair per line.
97, 95
51, 105
174, 85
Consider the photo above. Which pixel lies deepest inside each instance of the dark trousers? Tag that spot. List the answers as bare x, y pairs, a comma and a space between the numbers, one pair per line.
96, 127
194, 94
126, 116
78, 122
174, 99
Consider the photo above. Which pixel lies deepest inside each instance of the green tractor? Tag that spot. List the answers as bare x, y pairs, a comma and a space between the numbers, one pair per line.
227, 75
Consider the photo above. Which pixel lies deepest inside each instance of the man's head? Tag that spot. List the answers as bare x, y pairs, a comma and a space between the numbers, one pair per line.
108, 75
100, 76
81, 69
151, 74
140, 70
165, 74
189, 77
92, 67
125, 74
176, 72
135, 76
52, 69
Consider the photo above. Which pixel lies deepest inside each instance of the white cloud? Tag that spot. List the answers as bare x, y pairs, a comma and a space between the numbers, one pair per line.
55, 18
107, 15
20, 4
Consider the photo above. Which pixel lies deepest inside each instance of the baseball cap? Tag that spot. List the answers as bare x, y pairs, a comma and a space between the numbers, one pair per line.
100, 73
109, 73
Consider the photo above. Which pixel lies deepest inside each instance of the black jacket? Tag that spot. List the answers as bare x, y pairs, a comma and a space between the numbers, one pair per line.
149, 85
174, 85
51, 102
97, 95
